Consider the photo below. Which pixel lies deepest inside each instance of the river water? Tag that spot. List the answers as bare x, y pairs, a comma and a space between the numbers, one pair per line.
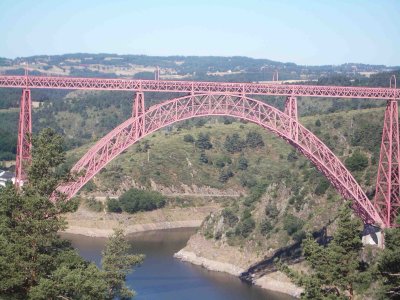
163, 277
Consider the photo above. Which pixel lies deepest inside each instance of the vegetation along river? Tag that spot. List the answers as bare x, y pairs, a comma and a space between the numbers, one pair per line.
162, 276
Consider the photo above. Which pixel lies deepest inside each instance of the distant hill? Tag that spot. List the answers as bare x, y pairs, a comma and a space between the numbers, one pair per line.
216, 68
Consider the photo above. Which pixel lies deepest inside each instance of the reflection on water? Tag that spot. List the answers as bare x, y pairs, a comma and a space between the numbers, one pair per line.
163, 277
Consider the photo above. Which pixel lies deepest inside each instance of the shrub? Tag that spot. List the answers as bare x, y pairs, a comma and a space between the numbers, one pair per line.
254, 140
229, 217
356, 162
233, 143
255, 194
300, 235
245, 227
114, 206
265, 226
292, 156
318, 123
271, 211
225, 175
203, 158
200, 122
243, 163
292, 224
322, 186
203, 141
247, 181
220, 163
188, 138
90, 186
136, 200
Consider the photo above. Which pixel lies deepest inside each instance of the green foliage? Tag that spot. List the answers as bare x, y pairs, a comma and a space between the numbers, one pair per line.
73, 278
117, 262
318, 123
335, 268
243, 163
188, 138
113, 205
292, 224
322, 186
8, 145
90, 186
266, 226
203, 141
34, 261
225, 174
367, 135
254, 140
356, 162
229, 217
220, 163
233, 143
245, 226
389, 265
135, 200
255, 194
292, 156
247, 181
271, 211
143, 146
203, 158
47, 154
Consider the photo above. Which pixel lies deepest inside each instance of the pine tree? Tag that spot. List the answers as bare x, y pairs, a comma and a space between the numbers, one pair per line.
117, 263
335, 267
389, 265
34, 261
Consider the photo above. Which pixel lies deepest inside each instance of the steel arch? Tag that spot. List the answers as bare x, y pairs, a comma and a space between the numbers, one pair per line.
240, 106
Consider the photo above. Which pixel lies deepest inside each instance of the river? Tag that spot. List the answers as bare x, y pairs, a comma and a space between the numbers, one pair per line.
161, 276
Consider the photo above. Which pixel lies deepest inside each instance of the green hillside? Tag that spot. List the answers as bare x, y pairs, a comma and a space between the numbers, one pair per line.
282, 193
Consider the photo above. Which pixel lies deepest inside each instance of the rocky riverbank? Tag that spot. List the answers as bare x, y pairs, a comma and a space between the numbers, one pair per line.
223, 258
199, 250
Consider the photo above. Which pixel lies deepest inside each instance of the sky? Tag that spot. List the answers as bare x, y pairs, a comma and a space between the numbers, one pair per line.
307, 32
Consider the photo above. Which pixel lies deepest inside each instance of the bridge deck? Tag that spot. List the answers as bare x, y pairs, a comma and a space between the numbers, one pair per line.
197, 87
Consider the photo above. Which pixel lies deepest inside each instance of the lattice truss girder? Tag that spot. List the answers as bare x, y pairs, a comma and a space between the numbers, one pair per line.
198, 105
197, 87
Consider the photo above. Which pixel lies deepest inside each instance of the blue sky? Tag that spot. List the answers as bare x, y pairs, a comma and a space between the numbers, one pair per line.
310, 32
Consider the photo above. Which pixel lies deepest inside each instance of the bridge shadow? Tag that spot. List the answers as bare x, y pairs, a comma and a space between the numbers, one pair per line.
289, 255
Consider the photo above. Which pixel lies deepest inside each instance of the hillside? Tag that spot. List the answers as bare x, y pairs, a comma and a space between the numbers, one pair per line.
272, 176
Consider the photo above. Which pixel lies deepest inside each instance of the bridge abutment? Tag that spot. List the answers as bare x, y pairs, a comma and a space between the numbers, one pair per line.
372, 235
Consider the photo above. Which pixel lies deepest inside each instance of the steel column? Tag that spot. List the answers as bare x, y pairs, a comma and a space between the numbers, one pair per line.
138, 112
24, 144
291, 111
387, 193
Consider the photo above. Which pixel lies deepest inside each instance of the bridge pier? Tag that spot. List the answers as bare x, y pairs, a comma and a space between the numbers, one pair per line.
372, 235
24, 143
138, 112
291, 111
387, 193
